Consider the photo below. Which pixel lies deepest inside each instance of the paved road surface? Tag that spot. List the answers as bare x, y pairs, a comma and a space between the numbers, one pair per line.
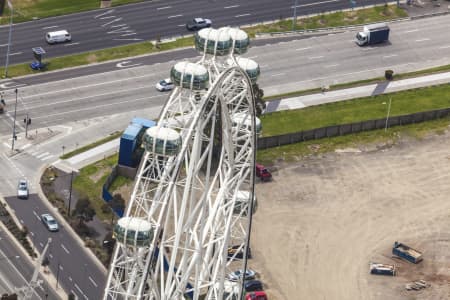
134, 23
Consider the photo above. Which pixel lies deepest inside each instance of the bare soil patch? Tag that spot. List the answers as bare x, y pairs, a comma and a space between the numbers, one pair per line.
323, 219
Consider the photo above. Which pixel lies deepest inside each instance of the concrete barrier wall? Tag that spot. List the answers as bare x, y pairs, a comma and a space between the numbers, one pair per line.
343, 129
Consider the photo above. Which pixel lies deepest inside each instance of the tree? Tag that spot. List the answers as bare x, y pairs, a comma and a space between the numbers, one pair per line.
117, 202
83, 210
260, 105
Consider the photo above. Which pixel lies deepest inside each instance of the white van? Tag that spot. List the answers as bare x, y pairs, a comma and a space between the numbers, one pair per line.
60, 36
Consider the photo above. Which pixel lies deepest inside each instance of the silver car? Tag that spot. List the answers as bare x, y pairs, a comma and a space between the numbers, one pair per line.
49, 222
22, 189
237, 275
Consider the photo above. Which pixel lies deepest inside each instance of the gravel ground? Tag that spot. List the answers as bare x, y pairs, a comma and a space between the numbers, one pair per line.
323, 219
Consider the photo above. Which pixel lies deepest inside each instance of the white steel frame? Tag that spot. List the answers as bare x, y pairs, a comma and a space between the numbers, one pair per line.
190, 199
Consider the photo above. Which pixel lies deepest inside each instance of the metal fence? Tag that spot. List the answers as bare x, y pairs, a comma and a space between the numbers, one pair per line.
343, 129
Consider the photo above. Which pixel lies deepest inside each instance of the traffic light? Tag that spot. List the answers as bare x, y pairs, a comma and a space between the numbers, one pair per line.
27, 121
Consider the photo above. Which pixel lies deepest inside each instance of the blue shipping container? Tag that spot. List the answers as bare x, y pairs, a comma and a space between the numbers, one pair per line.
128, 143
144, 122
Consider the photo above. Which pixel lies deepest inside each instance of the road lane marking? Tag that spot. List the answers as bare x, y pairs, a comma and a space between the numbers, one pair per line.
253, 57
108, 17
128, 39
26, 146
423, 40
127, 34
316, 3
42, 154
42, 245
232, 6
164, 7
302, 49
70, 278
48, 27
105, 13
71, 44
50, 255
37, 216
278, 74
21, 221
32, 233
414, 30
175, 16
65, 249
115, 20
388, 56
444, 47
16, 53
315, 57
126, 64
3, 45
243, 15
93, 282
120, 25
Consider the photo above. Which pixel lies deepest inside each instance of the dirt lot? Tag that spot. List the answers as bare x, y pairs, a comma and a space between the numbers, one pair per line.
322, 220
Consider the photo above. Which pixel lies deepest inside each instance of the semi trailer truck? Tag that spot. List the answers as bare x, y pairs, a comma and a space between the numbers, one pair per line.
373, 34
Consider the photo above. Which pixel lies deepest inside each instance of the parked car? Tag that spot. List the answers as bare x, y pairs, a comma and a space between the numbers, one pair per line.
253, 286
237, 275
49, 222
258, 295
239, 251
164, 85
198, 23
262, 172
22, 189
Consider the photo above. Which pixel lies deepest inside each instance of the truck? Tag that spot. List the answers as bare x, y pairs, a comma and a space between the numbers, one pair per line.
262, 172
373, 34
407, 253
382, 269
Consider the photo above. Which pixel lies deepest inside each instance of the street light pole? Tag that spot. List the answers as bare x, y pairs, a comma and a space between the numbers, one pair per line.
9, 37
294, 19
14, 122
388, 113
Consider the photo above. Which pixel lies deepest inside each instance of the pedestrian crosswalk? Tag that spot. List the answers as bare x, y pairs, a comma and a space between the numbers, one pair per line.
42, 155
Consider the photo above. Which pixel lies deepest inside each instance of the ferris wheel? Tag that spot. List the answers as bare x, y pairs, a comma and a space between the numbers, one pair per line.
187, 224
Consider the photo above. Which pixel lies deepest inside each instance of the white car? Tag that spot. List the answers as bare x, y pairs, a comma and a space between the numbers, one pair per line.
49, 222
164, 85
237, 275
22, 189
60, 36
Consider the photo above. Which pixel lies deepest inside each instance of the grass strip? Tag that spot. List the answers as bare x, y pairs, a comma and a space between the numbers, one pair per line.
356, 110
374, 139
111, 137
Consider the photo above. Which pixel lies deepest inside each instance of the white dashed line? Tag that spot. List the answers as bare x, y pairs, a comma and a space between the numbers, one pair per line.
105, 13
42, 154
243, 15
414, 30
120, 25
175, 16
71, 44
42, 245
108, 17
316, 3
279, 74
315, 57
48, 27
331, 66
232, 6
388, 56
423, 40
16, 53
3, 45
444, 47
165, 7
302, 49
93, 282
115, 20
65, 249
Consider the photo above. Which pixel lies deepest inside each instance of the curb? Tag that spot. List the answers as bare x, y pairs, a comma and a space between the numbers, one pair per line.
67, 226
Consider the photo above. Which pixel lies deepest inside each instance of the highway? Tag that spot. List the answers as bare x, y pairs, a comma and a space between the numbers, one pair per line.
89, 103
139, 22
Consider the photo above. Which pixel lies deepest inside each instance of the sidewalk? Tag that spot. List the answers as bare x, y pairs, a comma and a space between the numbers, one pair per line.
357, 92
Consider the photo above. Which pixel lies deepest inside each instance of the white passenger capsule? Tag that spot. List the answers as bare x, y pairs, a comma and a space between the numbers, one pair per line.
190, 76
213, 41
162, 141
133, 232
250, 66
240, 39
